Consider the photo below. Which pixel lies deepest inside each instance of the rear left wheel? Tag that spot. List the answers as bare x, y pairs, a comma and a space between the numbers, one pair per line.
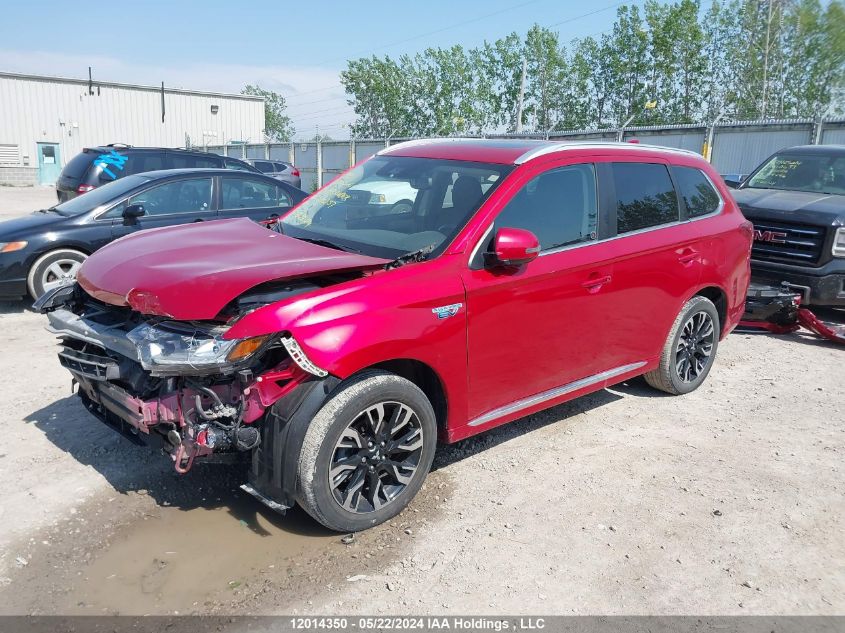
367, 452
690, 350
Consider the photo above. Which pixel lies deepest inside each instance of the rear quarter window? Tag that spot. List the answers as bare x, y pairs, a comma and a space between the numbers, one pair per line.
645, 196
700, 198
181, 161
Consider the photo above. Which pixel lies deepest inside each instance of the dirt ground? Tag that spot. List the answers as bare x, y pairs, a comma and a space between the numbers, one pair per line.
730, 500
16, 201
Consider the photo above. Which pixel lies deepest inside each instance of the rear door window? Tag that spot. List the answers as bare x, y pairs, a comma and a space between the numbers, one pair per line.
645, 196
249, 193
696, 190
140, 162
180, 196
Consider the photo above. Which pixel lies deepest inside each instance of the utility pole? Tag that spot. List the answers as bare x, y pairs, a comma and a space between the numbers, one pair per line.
765, 106
518, 124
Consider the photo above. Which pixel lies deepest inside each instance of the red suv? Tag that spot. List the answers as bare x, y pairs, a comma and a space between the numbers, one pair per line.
336, 348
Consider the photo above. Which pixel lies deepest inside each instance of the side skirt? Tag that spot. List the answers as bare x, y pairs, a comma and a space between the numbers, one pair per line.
552, 394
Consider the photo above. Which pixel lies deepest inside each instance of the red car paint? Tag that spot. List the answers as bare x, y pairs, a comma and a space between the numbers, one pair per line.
564, 316
190, 272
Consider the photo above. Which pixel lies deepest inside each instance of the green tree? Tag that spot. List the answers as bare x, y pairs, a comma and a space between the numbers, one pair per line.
815, 58
378, 89
678, 62
277, 125
498, 67
720, 28
575, 103
629, 65
738, 58
599, 57
546, 70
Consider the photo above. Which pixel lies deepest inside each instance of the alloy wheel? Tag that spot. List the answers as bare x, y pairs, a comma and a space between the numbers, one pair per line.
60, 273
376, 457
695, 346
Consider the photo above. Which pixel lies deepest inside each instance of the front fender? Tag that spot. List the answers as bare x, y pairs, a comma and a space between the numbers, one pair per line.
416, 312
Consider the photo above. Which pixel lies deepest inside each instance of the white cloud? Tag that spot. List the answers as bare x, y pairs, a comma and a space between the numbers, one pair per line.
315, 96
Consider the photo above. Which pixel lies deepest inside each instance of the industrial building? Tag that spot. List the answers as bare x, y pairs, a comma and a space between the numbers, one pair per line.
46, 121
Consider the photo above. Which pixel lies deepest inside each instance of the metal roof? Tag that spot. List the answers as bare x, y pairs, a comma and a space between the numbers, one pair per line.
114, 84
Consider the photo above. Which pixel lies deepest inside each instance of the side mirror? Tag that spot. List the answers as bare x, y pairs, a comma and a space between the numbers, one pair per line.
132, 212
513, 247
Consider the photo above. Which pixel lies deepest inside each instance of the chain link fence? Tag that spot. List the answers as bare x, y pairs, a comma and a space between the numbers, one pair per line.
733, 148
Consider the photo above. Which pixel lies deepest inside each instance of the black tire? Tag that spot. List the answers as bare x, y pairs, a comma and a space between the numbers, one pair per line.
683, 363
328, 447
40, 273
401, 205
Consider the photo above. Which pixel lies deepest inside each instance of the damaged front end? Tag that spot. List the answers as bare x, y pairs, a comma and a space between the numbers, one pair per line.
180, 385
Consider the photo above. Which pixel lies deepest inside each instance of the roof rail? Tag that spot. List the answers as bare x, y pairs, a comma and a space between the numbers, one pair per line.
561, 146
426, 141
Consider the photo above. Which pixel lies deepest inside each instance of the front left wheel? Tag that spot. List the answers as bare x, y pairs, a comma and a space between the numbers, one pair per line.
367, 452
53, 269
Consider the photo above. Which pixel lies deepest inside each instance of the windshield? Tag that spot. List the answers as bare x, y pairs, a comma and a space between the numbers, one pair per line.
391, 205
813, 173
99, 196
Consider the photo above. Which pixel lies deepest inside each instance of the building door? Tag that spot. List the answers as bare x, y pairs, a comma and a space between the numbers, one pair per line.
49, 164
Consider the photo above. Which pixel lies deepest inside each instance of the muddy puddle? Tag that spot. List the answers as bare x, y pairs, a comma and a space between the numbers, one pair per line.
181, 560
135, 554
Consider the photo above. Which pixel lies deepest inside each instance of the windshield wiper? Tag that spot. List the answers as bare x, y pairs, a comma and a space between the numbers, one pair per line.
321, 242
414, 256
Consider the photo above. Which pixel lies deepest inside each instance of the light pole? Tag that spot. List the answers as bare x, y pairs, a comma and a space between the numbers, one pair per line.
620, 133
711, 131
205, 136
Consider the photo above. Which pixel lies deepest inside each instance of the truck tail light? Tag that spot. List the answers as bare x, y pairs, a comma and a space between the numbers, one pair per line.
84, 188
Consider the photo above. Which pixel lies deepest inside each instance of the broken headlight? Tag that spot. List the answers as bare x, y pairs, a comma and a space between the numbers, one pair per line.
168, 349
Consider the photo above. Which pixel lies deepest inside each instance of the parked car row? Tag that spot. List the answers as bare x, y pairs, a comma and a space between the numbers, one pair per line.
45, 249
278, 169
97, 166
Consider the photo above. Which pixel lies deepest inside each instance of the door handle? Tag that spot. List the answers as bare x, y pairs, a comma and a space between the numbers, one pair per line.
688, 257
594, 284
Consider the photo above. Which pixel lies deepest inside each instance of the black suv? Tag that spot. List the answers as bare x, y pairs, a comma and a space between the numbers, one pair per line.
796, 201
97, 166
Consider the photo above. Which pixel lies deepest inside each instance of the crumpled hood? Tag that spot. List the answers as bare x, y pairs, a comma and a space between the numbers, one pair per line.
191, 272
797, 206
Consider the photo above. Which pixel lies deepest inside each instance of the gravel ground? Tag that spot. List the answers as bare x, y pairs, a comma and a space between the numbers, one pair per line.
730, 500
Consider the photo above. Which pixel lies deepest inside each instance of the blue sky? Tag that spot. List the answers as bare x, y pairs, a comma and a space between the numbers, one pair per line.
296, 48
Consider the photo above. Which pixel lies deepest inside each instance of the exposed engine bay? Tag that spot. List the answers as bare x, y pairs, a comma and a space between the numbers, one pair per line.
175, 384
